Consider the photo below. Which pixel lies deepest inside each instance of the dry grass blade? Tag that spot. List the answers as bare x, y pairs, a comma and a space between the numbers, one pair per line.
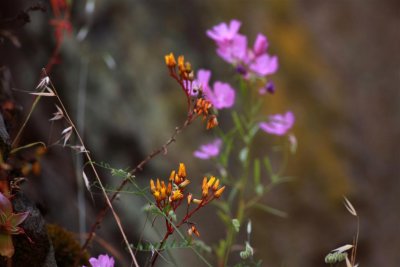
46, 92
66, 133
342, 248
57, 115
86, 180
43, 82
349, 207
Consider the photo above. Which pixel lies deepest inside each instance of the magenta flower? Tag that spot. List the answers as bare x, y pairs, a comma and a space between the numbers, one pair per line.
221, 96
260, 45
209, 150
264, 65
222, 32
279, 124
232, 47
234, 51
102, 261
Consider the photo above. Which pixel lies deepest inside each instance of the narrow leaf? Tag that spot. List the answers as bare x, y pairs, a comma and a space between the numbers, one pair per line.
271, 210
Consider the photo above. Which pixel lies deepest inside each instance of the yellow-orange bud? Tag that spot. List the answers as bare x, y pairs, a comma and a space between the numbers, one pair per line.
189, 198
158, 184
182, 170
197, 201
184, 183
215, 186
181, 63
152, 186
205, 191
170, 60
195, 231
204, 182
156, 195
211, 181
163, 192
169, 189
219, 192
172, 176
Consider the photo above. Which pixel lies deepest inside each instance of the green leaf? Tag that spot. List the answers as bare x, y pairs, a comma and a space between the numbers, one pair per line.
271, 210
268, 166
248, 252
224, 218
238, 124
236, 224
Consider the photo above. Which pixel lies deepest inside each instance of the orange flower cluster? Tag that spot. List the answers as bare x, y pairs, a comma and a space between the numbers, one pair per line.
173, 191
169, 197
202, 108
183, 73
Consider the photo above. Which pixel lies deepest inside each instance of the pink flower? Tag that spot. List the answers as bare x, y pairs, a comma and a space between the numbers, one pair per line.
235, 50
209, 150
232, 47
264, 65
222, 95
260, 45
102, 261
279, 124
222, 33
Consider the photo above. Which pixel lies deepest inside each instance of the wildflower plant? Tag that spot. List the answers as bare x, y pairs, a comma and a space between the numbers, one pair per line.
247, 184
233, 193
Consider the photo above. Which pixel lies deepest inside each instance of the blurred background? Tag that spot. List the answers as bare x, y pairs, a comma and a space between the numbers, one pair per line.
339, 74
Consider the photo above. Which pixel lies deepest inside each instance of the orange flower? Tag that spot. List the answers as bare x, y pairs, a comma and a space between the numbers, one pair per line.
182, 170
176, 195
212, 122
202, 107
215, 186
181, 63
219, 192
170, 60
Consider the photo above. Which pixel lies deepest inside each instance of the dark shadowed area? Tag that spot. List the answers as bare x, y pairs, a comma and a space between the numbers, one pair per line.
339, 69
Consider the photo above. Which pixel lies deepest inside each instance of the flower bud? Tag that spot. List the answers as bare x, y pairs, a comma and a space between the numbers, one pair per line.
219, 192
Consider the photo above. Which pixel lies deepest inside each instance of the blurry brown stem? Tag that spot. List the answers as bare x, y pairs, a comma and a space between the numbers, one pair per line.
139, 167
